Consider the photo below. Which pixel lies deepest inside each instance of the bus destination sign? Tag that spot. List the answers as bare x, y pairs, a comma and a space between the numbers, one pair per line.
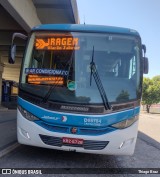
57, 43
44, 79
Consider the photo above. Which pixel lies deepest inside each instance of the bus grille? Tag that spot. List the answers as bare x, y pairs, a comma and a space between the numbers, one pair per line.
81, 131
88, 144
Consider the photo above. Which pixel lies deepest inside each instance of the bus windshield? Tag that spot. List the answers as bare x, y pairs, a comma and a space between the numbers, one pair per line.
57, 66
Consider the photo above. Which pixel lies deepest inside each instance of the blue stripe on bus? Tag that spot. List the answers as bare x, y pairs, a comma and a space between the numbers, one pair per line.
81, 120
80, 130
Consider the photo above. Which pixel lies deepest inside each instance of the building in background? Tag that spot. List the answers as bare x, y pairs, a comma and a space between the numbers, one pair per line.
21, 16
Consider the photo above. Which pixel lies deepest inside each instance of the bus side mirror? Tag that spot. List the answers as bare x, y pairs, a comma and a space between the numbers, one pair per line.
12, 54
144, 48
12, 51
145, 65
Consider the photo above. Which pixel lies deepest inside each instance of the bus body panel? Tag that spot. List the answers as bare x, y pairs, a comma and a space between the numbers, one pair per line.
122, 60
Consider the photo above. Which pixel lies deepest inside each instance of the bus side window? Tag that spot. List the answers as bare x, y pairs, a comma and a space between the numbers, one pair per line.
116, 69
132, 69
119, 69
37, 59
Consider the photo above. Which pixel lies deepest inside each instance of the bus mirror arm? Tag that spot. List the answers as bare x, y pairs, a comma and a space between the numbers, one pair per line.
12, 54
144, 48
12, 51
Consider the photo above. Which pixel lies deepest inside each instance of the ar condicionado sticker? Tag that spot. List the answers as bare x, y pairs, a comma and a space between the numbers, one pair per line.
64, 43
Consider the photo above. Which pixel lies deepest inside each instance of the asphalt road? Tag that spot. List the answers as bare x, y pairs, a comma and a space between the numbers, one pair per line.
147, 154
7, 128
149, 124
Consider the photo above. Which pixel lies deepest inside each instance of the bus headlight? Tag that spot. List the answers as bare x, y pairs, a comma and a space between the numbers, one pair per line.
27, 114
126, 123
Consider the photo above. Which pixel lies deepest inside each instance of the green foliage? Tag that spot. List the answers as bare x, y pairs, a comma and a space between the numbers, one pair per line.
151, 91
156, 78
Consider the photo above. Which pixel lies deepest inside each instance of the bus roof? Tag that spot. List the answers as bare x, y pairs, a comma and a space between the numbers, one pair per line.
85, 28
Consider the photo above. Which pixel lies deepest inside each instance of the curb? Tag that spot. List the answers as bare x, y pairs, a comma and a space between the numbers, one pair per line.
3, 109
9, 149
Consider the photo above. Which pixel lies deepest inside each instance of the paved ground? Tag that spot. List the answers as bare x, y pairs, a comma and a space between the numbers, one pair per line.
7, 128
147, 154
149, 124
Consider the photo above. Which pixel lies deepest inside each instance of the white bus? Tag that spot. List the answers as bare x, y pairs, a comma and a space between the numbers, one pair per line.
80, 88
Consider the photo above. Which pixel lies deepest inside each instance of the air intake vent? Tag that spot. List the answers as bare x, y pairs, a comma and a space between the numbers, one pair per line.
50, 140
95, 145
88, 144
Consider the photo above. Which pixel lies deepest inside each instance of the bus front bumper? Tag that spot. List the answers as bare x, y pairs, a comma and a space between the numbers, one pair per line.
119, 142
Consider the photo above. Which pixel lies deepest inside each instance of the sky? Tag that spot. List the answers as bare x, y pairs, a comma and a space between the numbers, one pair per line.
141, 15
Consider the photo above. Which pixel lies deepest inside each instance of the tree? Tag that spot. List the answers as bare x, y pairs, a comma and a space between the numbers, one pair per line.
151, 92
156, 78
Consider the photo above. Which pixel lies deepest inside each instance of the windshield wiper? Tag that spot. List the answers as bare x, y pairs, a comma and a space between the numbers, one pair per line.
98, 81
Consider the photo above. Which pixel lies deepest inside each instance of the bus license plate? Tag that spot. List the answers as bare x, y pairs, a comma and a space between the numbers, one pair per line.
66, 140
